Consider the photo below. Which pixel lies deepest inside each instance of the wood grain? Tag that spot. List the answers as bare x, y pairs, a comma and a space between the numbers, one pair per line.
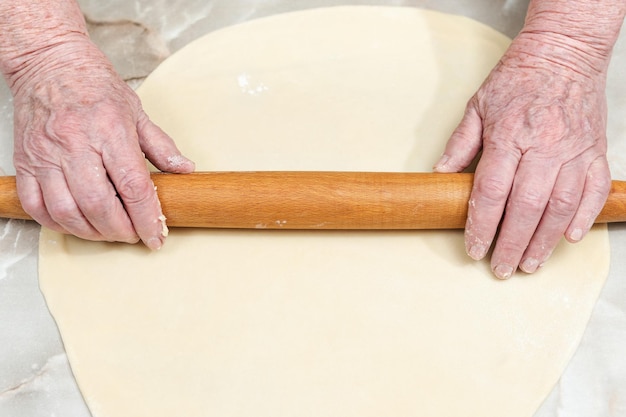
315, 200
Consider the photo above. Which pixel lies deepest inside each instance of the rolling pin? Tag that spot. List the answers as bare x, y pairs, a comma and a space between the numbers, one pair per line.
315, 200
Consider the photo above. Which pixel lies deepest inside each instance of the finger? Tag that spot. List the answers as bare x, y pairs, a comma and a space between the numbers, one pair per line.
96, 198
130, 177
562, 205
492, 184
526, 205
595, 193
464, 143
160, 149
62, 207
31, 198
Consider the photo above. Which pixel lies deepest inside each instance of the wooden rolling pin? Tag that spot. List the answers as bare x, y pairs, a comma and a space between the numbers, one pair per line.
315, 200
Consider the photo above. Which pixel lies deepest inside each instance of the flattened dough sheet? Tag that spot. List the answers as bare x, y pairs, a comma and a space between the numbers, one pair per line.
283, 323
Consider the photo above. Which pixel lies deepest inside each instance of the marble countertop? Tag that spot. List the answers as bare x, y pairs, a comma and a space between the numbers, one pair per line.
35, 378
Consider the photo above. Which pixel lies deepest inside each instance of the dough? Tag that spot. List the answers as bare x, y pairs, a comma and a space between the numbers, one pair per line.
285, 323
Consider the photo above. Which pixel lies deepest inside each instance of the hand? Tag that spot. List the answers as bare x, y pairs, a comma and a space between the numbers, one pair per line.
80, 139
540, 120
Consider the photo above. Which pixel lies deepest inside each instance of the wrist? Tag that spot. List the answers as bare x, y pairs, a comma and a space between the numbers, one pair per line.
558, 53
74, 55
31, 33
577, 34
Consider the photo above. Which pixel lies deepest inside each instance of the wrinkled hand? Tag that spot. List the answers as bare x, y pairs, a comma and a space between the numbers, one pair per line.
540, 121
80, 140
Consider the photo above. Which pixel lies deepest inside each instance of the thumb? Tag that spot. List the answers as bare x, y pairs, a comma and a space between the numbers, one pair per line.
464, 143
160, 149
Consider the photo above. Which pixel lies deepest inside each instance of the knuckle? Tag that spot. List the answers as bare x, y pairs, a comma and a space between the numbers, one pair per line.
65, 213
493, 188
602, 186
511, 245
31, 204
95, 205
596, 196
564, 202
510, 248
530, 202
134, 188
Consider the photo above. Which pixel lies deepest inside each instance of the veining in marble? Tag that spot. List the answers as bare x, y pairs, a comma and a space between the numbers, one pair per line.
50, 391
16, 242
134, 49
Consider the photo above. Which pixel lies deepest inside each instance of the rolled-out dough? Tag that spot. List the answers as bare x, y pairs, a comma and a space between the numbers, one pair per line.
284, 323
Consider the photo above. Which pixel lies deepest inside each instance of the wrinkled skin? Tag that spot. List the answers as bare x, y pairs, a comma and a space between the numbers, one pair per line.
80, 139
540, 121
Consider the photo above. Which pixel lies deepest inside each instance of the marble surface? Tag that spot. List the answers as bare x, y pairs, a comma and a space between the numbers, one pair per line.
35, 378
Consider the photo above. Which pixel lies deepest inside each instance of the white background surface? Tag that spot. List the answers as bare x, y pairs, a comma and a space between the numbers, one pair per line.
35, 379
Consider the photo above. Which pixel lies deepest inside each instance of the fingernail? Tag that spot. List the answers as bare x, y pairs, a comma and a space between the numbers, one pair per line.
178, 161
133, 240
576, 235
442, 162
529, 265
503, 271
154, 244
477, 251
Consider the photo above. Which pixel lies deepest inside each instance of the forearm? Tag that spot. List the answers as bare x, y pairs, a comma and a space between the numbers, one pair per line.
31, 33
577, 34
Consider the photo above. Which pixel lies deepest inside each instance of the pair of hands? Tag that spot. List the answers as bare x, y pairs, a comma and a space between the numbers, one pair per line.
81, 137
